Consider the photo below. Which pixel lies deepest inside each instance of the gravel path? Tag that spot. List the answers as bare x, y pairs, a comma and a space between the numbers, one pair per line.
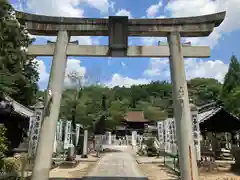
114, 166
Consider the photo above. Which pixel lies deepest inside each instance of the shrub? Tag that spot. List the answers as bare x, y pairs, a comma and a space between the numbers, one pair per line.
3, 145
11, 164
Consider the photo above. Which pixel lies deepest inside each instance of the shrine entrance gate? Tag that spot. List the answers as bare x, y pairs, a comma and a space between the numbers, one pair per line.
118, 29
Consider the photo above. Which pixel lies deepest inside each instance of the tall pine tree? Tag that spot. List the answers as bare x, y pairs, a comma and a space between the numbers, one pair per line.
18, 71
232, 78
231, 87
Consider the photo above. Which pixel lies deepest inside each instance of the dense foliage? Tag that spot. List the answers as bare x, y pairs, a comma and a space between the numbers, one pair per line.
230, 94
18, 72
155, 99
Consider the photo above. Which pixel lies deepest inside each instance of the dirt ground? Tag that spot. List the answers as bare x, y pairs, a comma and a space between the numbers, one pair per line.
159, 172
79, 171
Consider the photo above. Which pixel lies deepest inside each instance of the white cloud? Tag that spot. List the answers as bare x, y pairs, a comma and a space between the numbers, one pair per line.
101, 5
210, 69
73, 65
194, 68
42, 70
118, 80
112, 6
183, 8
157, 67
124, 12
153, 9
68, 8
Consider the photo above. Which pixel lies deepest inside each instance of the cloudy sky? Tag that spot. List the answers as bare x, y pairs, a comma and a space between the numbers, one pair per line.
128, 71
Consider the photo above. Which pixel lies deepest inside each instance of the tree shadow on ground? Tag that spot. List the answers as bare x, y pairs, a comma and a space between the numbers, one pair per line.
107, 150
235, 169
171, 173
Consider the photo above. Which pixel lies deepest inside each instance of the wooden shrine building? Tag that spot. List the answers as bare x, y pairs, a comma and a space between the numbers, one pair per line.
218, 128
217, 120
15, 117
132, 121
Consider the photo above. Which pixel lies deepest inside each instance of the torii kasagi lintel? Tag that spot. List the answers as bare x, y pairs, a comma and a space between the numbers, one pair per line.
186, 26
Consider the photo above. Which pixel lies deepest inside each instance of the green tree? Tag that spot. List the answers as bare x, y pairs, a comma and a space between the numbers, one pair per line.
155, 113
230, 93
232, 78
115, 112
232, 103
204, 90
18, 71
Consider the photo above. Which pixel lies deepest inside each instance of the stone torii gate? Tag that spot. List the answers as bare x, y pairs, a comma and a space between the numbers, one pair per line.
118, 29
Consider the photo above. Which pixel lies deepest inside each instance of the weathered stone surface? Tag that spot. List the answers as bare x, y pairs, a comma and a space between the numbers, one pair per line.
132, 51
188, 26
216, 18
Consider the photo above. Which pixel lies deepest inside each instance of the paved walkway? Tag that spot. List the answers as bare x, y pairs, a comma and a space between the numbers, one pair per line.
116, 166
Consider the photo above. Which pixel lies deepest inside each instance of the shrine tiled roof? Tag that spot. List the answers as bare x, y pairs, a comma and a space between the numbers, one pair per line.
19, 108
135, 116
205, 115
208, 114
218, 120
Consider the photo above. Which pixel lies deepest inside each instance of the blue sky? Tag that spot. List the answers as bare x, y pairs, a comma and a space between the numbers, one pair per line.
128, 71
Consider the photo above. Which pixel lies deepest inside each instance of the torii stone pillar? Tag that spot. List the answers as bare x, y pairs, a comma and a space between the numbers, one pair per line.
182, 113
43, 160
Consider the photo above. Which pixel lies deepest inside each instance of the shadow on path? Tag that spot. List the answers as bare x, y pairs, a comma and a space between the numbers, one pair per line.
107, 150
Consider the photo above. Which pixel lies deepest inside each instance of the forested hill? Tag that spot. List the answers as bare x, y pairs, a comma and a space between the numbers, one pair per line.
155, 99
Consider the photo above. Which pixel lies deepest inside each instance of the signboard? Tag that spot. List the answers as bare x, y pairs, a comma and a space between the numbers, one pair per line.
55, 143
160, 130
98, 143
196, 134
168, 135
67, 135
36, 122
59, 131
77, 133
